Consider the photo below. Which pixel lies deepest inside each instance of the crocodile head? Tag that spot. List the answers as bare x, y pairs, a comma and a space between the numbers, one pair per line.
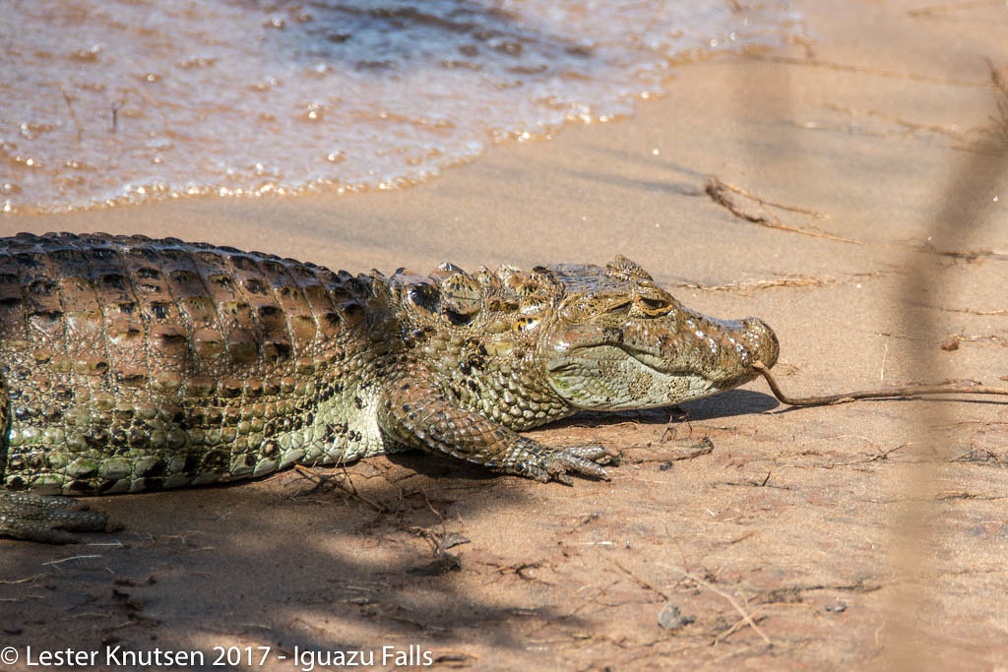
619, 341
526, 347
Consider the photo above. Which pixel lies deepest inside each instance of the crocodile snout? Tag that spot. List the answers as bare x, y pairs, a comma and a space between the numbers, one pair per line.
761, 342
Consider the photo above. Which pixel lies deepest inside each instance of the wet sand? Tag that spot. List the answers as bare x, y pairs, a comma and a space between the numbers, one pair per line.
829, 538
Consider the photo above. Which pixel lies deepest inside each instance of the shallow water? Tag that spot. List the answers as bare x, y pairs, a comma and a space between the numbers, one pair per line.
108, 101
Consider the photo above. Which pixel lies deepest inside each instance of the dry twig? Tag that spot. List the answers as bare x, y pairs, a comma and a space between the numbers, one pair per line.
344, 484
719, 193
746, 616
901, 392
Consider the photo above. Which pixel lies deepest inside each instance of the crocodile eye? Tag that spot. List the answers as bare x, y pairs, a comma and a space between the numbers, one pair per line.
651, 306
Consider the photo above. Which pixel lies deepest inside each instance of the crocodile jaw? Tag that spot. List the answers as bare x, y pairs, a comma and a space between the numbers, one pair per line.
653, 362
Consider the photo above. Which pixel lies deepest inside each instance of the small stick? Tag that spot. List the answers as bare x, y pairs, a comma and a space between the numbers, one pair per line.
717, 190
345, 485
718, 182
733, 602
72, 557
73, 115
903, 392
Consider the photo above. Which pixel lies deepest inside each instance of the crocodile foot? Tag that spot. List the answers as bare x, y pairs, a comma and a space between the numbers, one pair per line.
556, 464
48, 520
416, 413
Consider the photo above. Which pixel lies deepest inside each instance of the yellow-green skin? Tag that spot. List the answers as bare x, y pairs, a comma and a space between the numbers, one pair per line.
131, 364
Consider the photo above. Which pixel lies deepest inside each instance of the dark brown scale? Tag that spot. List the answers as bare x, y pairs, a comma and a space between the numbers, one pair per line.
179, 337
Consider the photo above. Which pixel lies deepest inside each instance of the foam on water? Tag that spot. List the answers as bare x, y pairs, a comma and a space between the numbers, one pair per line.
109, 101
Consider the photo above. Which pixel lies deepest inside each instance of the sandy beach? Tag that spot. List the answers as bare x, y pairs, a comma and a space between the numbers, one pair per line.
848, 190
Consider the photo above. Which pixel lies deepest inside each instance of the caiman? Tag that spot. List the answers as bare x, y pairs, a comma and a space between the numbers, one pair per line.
131, 364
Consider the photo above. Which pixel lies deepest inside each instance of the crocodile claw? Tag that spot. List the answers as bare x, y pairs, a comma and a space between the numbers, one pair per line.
557, 464
48, 520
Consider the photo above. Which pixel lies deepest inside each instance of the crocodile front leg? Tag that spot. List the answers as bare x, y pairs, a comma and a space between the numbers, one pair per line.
415, 413
35, 517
